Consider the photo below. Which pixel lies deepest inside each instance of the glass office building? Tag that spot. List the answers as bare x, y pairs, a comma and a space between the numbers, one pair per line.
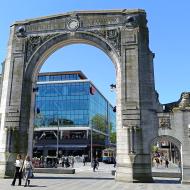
70, 116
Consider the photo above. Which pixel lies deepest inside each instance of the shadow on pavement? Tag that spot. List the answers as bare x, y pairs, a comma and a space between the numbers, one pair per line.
56, 177
167, 181
36, 186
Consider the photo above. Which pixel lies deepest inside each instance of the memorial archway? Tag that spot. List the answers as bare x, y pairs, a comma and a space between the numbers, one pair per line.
123, 36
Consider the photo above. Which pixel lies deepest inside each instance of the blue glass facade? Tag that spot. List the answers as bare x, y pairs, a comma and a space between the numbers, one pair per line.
73, 103
66, 102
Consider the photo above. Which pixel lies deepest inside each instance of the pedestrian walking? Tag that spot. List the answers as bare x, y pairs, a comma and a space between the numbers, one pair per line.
114, 162
84, 160
67, 164
72, 161
166, 163
18, 170
63, 161
97, 163
94, 165
157, 162
179, 165
161, 160
28, 170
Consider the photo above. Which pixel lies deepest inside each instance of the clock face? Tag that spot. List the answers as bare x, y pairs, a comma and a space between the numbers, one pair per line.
73, 24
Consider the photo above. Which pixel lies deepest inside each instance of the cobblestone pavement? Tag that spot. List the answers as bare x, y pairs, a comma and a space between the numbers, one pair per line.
86, 179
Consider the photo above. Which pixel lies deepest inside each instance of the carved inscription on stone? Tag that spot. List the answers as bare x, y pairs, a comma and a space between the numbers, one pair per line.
99, 21
58, 24
61, 24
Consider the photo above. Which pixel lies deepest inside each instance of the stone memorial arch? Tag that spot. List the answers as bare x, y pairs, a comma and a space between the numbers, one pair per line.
123, 36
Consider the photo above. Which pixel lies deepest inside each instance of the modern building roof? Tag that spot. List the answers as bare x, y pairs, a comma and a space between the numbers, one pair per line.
80, 73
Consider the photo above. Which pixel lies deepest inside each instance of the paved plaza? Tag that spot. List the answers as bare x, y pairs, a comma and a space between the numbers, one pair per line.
85, 179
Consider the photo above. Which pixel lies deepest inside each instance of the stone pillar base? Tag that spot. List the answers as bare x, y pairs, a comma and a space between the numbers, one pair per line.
142, 173
7, 164
134, 173
124, 177
185, 182
143, 178
186, 174
126, 174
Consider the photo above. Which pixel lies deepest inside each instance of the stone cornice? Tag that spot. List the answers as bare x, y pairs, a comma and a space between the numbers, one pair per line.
99, 12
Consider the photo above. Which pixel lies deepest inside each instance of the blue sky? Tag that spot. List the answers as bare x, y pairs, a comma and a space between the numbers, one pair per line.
169, 33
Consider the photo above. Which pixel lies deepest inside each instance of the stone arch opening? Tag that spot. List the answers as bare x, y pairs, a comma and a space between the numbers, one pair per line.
47, 50
59, 41
166, 157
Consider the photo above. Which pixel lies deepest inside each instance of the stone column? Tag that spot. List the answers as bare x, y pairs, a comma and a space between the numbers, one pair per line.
4, 155
138, 103
11, 104
185, 149
31, 120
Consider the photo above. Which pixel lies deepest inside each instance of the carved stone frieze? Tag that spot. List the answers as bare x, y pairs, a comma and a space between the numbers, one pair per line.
112, 36
33, 42
164, 122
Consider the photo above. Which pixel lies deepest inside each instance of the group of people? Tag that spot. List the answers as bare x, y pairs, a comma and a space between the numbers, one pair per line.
23, 169
67, 161
161, 160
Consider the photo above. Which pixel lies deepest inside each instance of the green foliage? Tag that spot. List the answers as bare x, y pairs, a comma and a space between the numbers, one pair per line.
113, 137
154, 149
99, 123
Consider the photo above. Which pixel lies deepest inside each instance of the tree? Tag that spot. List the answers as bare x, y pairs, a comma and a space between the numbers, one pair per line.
113, 137
99, 123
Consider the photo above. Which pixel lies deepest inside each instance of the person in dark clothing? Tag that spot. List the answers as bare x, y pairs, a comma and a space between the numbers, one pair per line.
63, 162
166, 163
67, 164
94, 165
84, 161
114, 162
157, 162
97, 163
18, 170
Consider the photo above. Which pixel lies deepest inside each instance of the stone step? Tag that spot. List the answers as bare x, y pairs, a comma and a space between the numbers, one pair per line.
160, 174
55, 170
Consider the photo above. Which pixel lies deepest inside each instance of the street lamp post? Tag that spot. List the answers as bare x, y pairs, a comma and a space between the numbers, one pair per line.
91, 149
57, 152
